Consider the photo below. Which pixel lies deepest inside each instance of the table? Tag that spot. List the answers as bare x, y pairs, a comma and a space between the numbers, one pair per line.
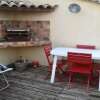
62, 52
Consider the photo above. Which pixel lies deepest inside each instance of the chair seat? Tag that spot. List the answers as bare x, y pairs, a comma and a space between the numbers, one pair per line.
61, 62
79, 69
61, 65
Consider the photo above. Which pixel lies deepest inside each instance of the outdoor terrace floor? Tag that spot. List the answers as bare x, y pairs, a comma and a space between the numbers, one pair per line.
31, 85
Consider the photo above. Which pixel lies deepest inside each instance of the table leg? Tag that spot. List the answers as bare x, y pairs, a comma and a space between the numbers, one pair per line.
53, 69
99, 82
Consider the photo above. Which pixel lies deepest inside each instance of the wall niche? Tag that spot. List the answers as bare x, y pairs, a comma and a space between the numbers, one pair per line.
12, 30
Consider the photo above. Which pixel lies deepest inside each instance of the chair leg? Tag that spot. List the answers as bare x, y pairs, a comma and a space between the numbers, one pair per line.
6, 81
48, 75
69, 81
59, 74
88, 82
59, 77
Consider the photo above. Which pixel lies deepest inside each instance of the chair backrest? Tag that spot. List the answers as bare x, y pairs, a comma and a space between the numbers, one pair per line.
85, 46
47, 49
79, 58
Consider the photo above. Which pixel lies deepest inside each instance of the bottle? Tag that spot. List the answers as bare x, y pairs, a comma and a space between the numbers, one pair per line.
20, 59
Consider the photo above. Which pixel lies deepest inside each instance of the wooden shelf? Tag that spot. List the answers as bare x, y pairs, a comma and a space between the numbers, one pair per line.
23, 44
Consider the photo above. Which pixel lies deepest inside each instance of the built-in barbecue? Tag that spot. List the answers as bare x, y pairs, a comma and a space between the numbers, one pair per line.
16, 31
17, 34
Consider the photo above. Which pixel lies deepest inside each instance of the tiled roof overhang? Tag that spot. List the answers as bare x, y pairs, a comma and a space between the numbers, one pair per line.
23, 5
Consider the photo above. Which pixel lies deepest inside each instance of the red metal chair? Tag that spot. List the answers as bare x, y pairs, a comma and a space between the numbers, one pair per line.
80, 63
85, 46
47, 49
95, 64
60, 63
